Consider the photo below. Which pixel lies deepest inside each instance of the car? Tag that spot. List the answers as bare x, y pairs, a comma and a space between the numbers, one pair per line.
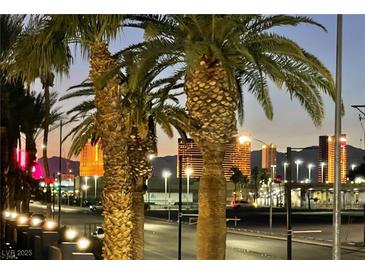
97, 208
98, 233
241, 204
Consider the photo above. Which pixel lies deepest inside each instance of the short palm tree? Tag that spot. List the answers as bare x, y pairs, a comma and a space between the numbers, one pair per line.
224, 56
33, 56
32, 111
147, 101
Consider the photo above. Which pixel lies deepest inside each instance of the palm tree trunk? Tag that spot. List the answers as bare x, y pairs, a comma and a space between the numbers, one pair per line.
138, 221
45, 142
211, 228
118, 191
211, 102
30, 147
141, 169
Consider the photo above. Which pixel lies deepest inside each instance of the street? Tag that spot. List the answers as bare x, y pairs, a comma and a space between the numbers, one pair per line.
161, 241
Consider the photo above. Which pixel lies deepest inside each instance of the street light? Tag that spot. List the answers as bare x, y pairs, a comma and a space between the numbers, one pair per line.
353, 166
298, 162
285, 166
188, 172
166, 174
83, 244
309, 171
322, 171
71, 234
273, 176
96, 184
150, 157
85, 187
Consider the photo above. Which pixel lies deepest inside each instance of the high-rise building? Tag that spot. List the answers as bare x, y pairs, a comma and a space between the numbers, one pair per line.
91, 160
237, 154
268, 156
322, 167
331, 158
191, 158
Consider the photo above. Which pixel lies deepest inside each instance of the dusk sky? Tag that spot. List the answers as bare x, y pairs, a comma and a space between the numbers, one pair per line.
291, 125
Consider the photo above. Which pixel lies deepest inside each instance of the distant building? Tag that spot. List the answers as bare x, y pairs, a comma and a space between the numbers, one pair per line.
237, 154
331, 158
268, 156
323, 159
91, 160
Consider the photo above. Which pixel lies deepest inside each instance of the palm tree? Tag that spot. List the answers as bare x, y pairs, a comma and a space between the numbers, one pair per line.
33, 112
92, 33
147, 101
223, 54
34, 56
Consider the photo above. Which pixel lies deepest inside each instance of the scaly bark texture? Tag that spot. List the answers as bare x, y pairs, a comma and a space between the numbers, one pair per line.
118, 191
139, 147
47, 82
211, 103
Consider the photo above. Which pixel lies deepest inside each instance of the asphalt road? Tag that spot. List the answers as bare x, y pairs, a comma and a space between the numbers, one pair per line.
161, 241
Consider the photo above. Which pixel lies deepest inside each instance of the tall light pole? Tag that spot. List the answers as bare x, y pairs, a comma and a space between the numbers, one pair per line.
310, 166
60, 178
285, 166
150, 157
270, 189
166, 174
322, 171
96, 185
298, 162
188, 172
86, 187
336, 248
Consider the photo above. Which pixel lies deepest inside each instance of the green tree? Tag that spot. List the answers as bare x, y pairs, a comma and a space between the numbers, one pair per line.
222, 55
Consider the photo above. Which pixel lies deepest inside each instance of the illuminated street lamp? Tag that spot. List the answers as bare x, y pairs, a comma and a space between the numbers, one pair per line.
322, 171
273, 176
298, 162
150, 157
71, 234
83, 244
85, 187
96, 184
188, 172
309, 171
353, 166
166, 174
285, 166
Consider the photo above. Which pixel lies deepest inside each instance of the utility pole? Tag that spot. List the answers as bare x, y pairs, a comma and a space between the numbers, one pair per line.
336, 248
59, 178
180, 209
288, 205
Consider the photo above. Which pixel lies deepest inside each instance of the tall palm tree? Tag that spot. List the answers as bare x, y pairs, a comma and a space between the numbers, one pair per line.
34, 56
92, 33
225, 56
11, 27
33, 112
147, 102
